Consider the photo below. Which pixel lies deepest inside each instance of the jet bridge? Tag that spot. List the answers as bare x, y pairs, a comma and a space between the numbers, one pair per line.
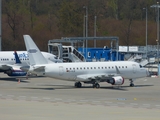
76, 42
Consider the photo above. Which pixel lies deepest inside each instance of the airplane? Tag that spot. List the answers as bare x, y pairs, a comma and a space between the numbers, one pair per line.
11, 61
113, 72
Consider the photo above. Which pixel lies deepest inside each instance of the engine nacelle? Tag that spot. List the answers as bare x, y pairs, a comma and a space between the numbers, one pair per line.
118, 80
15, 73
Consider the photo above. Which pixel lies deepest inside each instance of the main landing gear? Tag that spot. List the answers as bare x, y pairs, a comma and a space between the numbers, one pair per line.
96, 85
131, 83
78, 85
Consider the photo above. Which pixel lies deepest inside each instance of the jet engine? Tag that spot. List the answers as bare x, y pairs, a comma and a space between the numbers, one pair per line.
15, 73
118, 80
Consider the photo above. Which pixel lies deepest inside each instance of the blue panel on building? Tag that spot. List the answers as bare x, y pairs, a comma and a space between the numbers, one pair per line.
100, 54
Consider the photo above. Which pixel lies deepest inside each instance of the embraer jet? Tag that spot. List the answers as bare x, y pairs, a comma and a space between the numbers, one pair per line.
87, 72
9, 65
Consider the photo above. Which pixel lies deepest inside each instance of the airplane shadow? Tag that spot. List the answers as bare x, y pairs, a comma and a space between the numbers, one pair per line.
34, 88
10, 79
114, 88
73, 87
56, 87
138, 86
63, 87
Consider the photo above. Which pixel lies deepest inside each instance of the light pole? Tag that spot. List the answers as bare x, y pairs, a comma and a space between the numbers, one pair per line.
86, 25
157, 6
84, 19
146, 31
0, 25
95, 28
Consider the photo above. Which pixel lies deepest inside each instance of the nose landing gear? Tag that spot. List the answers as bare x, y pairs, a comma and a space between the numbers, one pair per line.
131, 83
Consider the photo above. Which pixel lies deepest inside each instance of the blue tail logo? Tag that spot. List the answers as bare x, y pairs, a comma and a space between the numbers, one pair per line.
17, 58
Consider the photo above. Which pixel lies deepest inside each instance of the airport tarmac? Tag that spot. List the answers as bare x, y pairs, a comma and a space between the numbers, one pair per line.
46, 98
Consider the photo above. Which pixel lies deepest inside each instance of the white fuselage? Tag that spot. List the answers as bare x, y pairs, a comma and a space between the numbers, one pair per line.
71, 71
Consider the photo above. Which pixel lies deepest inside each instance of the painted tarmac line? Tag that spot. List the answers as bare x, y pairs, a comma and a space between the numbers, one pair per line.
22, 96
83, 100
133, 103
58, 99
95, 101
120, 103
146, 105
46, 98
34, 97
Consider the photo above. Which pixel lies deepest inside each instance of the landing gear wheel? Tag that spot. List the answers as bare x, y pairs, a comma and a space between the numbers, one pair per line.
96, 85
131, 85
78, 85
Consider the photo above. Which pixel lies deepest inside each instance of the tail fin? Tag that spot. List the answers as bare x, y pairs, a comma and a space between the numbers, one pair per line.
17, 58
35, 56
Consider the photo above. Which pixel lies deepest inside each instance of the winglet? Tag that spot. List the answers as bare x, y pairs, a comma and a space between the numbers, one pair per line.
35, 56
17, 58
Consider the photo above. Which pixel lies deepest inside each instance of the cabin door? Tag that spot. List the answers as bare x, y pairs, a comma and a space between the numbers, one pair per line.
61, 70
134, 68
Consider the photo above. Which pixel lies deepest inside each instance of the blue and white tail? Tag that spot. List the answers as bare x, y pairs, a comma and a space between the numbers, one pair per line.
35, 55
18, 61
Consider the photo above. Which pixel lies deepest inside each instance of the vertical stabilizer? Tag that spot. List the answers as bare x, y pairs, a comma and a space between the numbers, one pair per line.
35, 56
17, 58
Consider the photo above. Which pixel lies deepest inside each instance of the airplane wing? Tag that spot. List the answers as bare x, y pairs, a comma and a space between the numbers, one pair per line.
113, 79
97, 77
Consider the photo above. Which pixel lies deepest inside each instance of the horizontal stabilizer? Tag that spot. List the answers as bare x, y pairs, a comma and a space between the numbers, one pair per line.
40, 69
25, 68
6, 67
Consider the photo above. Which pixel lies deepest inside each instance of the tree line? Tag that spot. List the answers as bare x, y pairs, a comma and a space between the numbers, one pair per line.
52, 19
